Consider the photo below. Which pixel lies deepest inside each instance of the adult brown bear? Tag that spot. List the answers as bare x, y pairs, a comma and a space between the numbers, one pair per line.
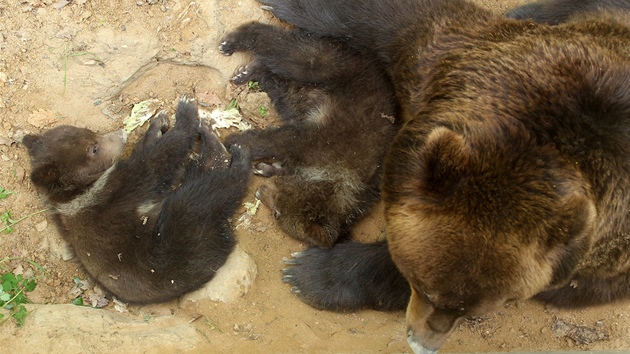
152, 227
509, 177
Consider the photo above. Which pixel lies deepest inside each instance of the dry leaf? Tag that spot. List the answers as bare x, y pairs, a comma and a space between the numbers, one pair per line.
140, 113
208, 99
42, 118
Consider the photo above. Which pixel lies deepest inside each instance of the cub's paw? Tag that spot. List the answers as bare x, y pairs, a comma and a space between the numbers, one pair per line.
347, 277
162, 122
270, 5
269, 169
240, 139
245, 38
187, 114
316, 280
228, 46
241, 160
246, 73
214, 154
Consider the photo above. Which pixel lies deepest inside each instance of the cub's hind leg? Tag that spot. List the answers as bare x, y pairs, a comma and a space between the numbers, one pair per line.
157, 128
167, 157
295, 54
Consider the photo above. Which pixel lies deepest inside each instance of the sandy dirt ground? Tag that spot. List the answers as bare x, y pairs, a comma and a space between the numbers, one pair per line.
86, 62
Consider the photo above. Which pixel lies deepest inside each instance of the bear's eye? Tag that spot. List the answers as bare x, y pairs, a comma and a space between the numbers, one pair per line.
93, 150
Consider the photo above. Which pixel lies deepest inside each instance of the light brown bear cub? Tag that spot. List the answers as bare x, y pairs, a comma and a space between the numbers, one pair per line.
154, 226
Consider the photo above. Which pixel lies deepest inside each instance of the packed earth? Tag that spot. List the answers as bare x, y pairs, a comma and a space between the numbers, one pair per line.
89, 63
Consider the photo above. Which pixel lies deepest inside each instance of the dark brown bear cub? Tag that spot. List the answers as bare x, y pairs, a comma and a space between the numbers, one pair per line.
154, 226
509, 177
338, 117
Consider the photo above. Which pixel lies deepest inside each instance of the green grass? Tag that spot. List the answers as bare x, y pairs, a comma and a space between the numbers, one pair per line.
262, 111
13, 291
253, 85
7, 220
5, 193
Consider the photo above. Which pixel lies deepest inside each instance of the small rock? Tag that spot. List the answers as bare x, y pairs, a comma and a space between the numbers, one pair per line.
41, 226
79, 329
578, 334
232, 280
60, 248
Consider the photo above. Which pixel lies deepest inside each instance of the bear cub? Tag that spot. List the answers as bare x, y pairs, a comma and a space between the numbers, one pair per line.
338, 116
154, 226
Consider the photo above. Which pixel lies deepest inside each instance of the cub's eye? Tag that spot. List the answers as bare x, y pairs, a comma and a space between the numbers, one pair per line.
93, 150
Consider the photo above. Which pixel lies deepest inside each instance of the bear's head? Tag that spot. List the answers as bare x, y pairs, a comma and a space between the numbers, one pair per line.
480, 218
66, 160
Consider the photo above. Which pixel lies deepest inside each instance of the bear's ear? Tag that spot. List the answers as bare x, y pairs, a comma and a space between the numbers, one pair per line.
33, 143
445, 155
45, 176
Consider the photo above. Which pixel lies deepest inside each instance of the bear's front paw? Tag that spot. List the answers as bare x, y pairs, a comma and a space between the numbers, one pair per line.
161, 122
227, 46
240, 139
269, 169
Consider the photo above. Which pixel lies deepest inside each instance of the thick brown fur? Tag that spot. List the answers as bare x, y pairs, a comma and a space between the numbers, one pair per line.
554, 12
508, 179
152, 227
338, 116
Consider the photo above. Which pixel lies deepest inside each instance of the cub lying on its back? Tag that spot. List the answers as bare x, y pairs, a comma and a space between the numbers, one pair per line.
154, 226
338, 118
509, 177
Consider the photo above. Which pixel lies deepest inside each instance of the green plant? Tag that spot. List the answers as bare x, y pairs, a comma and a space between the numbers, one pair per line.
67, 54
13, 291
13, 295
262, 111
253, 85
4, 193
7, 219
233, 104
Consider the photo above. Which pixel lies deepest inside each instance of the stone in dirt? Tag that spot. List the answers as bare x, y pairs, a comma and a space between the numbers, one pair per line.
232, 280
79, 329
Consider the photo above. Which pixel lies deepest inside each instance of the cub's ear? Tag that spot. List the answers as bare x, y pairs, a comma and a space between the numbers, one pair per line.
33, 143
445, 155
45, 176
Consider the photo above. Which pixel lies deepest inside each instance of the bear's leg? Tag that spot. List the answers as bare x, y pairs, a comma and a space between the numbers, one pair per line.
172, 150
294, 55
216, 166
347, 277
291, 99
273, 142
213, 153
157, 128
